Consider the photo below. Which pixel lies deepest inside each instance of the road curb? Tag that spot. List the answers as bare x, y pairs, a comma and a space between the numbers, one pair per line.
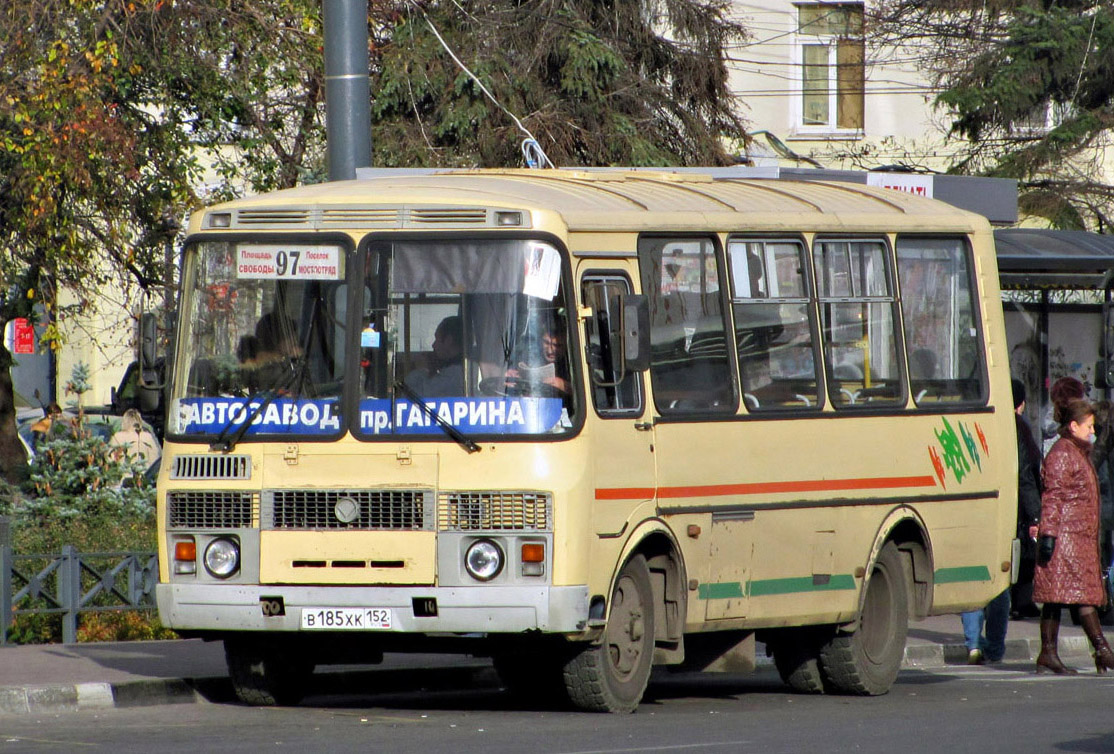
73, 697
939, 655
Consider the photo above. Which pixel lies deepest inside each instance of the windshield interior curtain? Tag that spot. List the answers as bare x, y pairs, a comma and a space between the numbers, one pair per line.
476, 267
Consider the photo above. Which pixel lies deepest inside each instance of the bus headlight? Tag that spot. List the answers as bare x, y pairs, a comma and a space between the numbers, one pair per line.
484, 560
222, 557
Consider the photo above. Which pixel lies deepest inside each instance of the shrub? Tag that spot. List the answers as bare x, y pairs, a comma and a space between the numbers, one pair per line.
83, 492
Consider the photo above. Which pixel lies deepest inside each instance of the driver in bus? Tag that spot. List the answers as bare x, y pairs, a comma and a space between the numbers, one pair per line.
268, 359
445, 374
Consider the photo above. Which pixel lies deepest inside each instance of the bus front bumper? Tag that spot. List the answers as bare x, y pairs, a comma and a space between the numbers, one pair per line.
479, 609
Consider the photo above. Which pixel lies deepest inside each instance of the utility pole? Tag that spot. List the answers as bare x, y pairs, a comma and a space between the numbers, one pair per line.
347, 91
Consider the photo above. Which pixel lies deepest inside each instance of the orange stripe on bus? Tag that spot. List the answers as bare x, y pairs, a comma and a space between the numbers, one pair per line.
758, 488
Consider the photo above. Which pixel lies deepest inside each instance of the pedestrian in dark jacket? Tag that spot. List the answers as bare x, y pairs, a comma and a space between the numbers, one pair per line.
1068, 571
1102, 456
1028, 508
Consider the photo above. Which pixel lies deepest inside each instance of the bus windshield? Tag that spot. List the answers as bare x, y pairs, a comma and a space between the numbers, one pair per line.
263, 345
474, 333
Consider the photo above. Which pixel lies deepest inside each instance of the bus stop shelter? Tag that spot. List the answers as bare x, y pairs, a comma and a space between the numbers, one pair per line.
1054, 286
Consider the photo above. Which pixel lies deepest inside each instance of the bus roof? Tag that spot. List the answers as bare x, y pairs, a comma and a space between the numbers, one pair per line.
595, 200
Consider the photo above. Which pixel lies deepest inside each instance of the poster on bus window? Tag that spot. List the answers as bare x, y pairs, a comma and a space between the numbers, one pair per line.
283, 416
502, 416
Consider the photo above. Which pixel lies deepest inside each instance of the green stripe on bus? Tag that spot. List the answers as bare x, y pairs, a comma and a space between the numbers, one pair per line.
962, 573
733, 589
801, 584
725, 591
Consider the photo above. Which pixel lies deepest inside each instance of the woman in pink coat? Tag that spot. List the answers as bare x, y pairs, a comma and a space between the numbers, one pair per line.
1068, 571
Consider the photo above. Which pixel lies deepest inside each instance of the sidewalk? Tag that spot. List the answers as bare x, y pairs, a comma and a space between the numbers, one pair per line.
45, 679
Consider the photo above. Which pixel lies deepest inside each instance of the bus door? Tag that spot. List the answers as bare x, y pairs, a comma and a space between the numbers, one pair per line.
698, 447
620, 433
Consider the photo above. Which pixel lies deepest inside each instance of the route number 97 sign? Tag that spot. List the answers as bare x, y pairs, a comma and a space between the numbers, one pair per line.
288, 262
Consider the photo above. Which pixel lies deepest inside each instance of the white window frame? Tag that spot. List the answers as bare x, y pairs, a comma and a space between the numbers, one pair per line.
799, 42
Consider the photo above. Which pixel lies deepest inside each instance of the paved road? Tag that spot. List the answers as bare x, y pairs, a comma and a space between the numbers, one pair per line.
55, 678
956, 708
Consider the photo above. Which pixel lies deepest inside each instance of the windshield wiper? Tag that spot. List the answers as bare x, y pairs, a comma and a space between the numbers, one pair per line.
463, 440
225, 443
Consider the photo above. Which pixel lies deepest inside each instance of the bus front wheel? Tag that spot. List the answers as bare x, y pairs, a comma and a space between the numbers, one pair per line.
867, 661
264, 676
611, 675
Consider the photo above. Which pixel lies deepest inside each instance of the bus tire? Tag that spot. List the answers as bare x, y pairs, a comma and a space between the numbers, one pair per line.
797, 659
611, 675
866, 662
263, 676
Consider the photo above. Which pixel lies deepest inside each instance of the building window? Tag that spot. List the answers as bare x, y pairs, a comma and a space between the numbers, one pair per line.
831, 48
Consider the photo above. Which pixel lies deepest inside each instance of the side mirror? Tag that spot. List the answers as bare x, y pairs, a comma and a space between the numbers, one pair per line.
636, 333
148, 340
149, 391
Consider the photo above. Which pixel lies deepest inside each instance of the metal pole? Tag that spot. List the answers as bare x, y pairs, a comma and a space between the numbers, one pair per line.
69, 592
5, 578
347, 91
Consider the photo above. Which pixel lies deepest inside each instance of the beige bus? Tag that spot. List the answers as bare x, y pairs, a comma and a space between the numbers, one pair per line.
584, 423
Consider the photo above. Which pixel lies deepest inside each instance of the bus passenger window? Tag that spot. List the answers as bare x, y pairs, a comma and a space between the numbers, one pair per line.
857, 321
773, 329
941, 328
689, 366
614, 392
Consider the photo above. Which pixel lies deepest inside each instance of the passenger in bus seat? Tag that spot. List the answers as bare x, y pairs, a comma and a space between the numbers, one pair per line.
552, 368
444, 376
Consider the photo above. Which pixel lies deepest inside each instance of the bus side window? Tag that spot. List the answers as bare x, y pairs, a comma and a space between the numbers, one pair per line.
774, 331
689, 365
614, 392
941, 325
857, 319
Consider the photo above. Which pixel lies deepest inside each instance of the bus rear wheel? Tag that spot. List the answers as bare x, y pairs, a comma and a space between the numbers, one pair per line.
867, 661
265, 676
611, 675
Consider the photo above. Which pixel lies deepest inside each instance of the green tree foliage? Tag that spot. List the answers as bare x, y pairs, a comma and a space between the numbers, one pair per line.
114, 112
1030, 87
621, 82
108, 111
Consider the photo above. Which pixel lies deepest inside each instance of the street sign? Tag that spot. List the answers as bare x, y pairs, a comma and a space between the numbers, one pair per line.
23, 336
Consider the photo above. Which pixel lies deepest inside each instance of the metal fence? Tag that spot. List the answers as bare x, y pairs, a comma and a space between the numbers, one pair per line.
71, 583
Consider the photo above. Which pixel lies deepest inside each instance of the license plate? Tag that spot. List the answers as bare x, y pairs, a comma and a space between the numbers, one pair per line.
348, 618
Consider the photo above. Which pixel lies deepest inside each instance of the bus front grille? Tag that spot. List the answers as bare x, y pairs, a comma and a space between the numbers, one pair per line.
392, 510
494, 511
200, 466
210, 510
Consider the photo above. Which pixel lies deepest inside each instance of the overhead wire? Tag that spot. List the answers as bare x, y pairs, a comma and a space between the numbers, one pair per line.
536, 152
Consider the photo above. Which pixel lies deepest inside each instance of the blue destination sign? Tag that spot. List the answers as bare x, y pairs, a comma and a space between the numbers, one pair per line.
302, 416
507, 416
